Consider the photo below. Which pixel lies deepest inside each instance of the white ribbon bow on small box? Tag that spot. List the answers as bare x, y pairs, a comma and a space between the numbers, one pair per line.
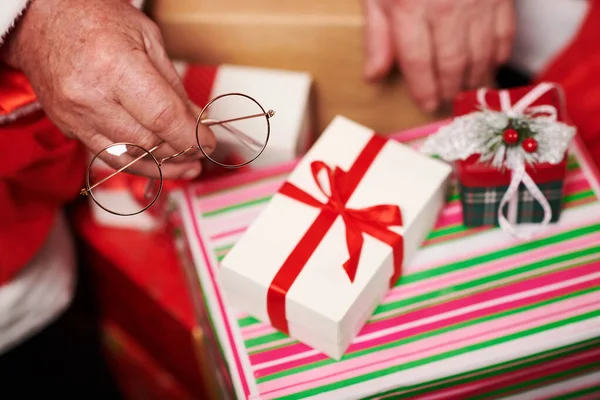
480, 133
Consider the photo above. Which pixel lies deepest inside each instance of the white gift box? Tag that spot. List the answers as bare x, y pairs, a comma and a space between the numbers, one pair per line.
286, 92
322, 307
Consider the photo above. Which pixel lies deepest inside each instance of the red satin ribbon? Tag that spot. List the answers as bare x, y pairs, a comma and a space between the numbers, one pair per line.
374, 221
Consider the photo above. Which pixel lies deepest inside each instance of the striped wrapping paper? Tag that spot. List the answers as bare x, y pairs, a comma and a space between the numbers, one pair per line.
475, 313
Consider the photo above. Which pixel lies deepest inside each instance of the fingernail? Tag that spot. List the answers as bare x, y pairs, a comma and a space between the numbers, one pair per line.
368, 73
208, 143
371, 72
430, 105
191, 173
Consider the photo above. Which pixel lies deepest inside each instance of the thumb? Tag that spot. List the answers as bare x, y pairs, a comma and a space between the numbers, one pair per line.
379, 54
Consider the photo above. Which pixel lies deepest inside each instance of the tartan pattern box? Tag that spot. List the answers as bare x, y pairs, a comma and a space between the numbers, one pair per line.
480, 204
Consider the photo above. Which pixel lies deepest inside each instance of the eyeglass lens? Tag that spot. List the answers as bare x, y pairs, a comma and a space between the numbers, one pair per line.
132, 168
240, 126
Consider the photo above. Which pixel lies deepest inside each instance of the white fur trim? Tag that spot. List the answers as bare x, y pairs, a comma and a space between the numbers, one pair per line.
181, 67
137, 3
10, 10
20, 112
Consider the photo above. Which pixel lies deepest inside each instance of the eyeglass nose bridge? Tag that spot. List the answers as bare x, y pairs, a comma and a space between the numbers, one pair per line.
192, 147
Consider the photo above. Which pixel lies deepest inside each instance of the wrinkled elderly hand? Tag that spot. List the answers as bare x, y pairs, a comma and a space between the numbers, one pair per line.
101, 73
441, 46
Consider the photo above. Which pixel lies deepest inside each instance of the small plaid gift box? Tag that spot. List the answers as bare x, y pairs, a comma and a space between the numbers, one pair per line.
482, 189
510, 149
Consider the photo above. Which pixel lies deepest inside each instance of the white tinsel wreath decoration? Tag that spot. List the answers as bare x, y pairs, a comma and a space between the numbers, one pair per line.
481, 132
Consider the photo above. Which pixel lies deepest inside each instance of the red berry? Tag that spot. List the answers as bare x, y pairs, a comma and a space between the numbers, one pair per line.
511, 136
530, 145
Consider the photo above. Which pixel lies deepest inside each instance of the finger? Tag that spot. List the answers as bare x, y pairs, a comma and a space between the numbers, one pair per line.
450, 42
101, 146
379, 52
481, 35
195, 109
122, 127
505, 28
415, 56
149, 98
155, 49
158, 55
146, 166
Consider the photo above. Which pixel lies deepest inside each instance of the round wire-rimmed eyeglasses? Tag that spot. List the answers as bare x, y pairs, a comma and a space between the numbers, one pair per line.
241, 128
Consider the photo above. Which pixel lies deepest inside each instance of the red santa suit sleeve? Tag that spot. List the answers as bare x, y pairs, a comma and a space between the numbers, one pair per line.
40, 169
10, 10
577, 68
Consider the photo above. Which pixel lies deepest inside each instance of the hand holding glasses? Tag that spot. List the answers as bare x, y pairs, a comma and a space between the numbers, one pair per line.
241, 128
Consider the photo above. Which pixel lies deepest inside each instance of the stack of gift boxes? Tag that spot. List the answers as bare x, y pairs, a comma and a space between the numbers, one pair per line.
367, 268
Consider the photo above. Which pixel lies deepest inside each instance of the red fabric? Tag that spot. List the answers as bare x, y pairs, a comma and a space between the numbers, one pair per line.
198, 81
15, 91
474, 174
141, 286
576, 70
139, 375
40, 170
374, 221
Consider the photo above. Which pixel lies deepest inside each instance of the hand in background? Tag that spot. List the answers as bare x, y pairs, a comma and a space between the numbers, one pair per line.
441, 46
101, 73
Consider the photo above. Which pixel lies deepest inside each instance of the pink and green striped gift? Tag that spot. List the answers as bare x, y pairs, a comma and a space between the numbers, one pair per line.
476, 313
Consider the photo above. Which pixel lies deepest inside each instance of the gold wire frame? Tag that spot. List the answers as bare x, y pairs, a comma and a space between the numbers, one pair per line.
88, 190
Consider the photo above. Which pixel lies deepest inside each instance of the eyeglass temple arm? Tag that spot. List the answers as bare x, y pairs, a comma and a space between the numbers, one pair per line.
268, 114
86, 191
239, 135
231, 129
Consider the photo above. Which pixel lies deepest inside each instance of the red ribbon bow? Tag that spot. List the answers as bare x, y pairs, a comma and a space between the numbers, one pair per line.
374, 221
357, 221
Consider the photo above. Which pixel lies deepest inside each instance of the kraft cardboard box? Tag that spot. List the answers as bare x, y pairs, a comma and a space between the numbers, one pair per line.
323, 38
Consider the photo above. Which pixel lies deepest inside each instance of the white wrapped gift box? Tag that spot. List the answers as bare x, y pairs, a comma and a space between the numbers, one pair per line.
286, 92
321, 306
